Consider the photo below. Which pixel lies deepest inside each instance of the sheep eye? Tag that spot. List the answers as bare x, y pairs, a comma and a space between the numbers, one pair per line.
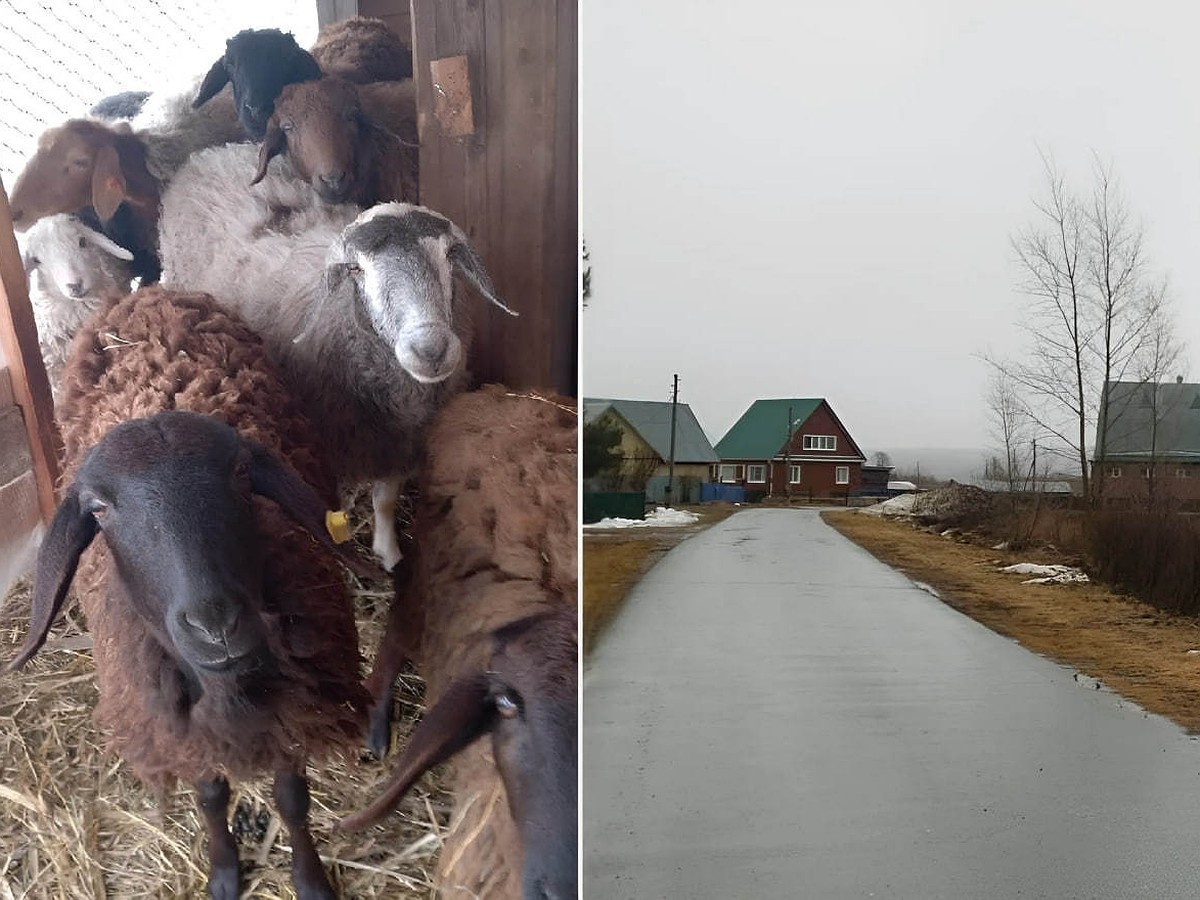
83, 242
286, 127
353, 269
506, 706
98, 509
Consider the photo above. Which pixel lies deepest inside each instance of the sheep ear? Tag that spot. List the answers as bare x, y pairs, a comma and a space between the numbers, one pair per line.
305, 67
274, 142
108, 182
462, 715
108, 245
71, 531
217, 78
463, 257
270, 478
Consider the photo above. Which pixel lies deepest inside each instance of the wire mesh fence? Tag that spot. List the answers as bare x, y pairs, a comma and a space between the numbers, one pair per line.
60, 57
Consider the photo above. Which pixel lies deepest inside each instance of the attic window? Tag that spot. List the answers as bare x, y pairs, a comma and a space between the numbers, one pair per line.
820, 442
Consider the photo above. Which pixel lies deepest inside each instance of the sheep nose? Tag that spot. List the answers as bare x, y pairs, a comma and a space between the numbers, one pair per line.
335, 181
75, 288
213, 629
18, 214
432, 347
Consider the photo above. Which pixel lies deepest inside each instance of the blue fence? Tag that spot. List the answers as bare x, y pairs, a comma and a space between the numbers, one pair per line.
727, 493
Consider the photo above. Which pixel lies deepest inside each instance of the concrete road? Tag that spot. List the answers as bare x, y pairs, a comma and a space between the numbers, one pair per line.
775, 714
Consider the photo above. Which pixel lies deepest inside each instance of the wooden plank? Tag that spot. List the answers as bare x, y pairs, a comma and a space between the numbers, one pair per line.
19, 502
14, 446
6, 393
512, 184
30, 386
452, 106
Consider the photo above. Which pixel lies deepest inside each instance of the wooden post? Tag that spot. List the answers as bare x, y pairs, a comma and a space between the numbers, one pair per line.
498, 157
30, 386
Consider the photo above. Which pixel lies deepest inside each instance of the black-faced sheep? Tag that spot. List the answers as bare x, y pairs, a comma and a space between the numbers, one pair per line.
356, 144
362, 50
72, 270
361, 313
224, 638
257, 63
490, 616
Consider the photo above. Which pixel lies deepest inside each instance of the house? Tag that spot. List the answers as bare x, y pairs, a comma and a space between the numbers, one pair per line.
646, 446
1148, 442
822, 459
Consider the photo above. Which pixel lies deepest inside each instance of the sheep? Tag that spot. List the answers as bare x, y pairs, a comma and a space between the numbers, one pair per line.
352, 144
124, 105
224, 641
72, 270
118, 171
257, 63
362, 50
360, 311
490, 615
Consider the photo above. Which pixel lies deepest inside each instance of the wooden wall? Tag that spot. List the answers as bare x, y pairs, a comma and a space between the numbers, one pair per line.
506, 170
396, 13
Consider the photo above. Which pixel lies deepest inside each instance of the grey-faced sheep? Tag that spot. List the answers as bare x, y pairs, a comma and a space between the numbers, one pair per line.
361, 313
72, 270
224, 638
362, 50
356, 144
490, 616
257, 63
124, 105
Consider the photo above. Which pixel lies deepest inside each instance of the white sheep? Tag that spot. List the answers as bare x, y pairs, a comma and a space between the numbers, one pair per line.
72, 269
359, 309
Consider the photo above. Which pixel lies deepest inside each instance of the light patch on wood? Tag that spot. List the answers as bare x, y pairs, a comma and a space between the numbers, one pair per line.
6, 391
452, 106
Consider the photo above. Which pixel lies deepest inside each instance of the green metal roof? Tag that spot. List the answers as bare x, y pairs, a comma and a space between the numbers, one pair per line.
651, 419
762, 430
1132, 410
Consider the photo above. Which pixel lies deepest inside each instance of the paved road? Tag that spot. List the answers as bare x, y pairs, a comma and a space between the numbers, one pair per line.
777, 715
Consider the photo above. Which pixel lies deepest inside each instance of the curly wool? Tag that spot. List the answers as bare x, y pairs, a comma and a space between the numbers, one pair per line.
362, 49
497, 528
157, 350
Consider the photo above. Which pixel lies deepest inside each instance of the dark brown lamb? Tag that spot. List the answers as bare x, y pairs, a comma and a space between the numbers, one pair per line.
157, 351
490, 618
362, 50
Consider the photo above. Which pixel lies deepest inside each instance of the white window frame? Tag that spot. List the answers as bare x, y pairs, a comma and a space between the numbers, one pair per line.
841, 475
1183, 473
750, 479
1146, 472
794, 473
820, 442
737, 473
1114, 472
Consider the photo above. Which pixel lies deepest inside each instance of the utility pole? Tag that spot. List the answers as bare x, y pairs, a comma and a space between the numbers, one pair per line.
671, 462
787, 459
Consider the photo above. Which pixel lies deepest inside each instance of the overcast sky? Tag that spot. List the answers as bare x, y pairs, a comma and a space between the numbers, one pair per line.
815, 199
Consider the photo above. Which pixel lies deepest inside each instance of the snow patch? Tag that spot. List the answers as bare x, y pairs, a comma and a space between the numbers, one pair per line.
1047, 574
662, 517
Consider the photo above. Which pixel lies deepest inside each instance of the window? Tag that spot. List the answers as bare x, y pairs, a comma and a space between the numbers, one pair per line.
793, 474
756, 474
820, 442
730, 473
1145, 471
841, 475
1183, 473
1114, 471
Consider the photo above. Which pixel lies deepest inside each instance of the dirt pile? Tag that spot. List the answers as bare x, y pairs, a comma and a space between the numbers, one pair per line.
957, 505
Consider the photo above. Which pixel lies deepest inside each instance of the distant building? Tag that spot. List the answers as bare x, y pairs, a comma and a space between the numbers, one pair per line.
1151, 443
822, 459
646, 446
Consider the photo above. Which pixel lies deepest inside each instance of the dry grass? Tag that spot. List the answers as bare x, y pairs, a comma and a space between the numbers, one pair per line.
1136, 649
614, 561
74, 823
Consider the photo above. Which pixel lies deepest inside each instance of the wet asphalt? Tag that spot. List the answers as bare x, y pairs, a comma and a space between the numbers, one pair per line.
775, 714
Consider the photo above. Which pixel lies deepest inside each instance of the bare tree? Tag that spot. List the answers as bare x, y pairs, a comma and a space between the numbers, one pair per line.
881, 458
1012, 428
1161, 356
1094, 305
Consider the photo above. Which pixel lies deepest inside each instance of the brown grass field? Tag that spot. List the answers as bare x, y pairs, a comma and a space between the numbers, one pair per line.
1148, 656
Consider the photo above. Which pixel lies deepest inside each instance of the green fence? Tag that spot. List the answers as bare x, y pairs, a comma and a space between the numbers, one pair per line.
604, 505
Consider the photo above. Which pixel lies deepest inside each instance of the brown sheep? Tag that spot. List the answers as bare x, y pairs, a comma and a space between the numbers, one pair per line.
352, 144
224, 643
491, 615
362, 50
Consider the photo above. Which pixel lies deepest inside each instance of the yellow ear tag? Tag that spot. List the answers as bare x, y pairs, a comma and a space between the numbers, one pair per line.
338, 526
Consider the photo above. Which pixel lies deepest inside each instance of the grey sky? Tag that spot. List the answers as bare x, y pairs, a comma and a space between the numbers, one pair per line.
815, 199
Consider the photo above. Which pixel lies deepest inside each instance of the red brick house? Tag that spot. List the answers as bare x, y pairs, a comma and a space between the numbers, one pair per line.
822, 459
